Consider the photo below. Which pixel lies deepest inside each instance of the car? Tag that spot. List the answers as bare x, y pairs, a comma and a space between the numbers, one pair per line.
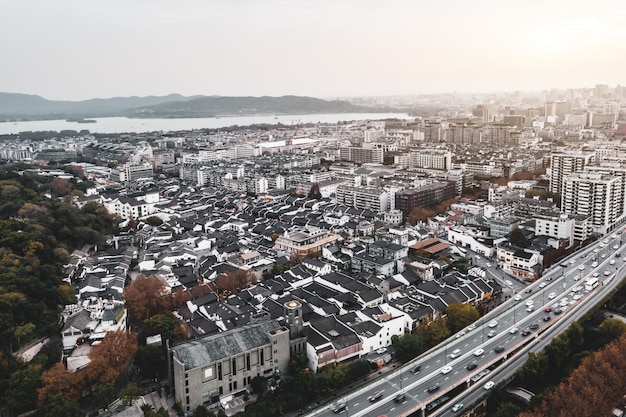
547, 318
491, 333
529, 303
492, 323
564, 301
499, 349
615, 247
613, 236
542, 285
339, 407
381, 350
513, 330
605, 241
607, 272
471, 327
460, 334
602, 244
456, 407
400, 398
603, 255
376, 396
612, 262
446, 370
509, 283
488, 265
416, 369
593, 265
479, 351
529, 290
558, 311
455, 353
530, 308
595, 274
548, 309
581, 267
525, 333
533, 326
552, 296
433, 388
517, 297
571, 261
576, 297
576, 278
596, 250
471, 366
489, 385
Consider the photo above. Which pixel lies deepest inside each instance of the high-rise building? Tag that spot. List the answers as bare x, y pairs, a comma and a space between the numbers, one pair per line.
481, 112
595, 195
362, 155
563, 164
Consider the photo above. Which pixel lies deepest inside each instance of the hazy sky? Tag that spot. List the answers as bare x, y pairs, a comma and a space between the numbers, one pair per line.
78, 49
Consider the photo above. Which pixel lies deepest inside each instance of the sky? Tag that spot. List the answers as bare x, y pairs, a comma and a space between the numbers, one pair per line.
81, 49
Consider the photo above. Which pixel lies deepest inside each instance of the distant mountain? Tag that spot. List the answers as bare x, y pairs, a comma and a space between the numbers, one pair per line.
235, 106
15, 107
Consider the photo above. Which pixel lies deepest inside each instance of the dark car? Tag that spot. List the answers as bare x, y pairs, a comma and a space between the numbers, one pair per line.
528, 291
400, 398
534, 326
339, 407
416, 369
433, 388
376, 396
499, 349
471, 366
525, 333
558, 311
547, 318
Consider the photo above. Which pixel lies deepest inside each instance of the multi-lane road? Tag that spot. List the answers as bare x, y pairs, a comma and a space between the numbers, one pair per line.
495, 345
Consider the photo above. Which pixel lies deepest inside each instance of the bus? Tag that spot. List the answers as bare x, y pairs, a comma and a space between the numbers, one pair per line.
591, 283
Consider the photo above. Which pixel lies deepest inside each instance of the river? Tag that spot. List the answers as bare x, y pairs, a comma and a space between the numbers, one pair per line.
124, 124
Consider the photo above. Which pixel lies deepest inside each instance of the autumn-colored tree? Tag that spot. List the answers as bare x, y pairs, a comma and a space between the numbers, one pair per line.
460, 315
296, 258
233, 282
420, 214
57, 380
146, 296
111, 357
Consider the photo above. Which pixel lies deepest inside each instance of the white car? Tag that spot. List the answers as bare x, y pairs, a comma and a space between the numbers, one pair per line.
552, 296
616, 247
542, 285
596, 250
446, 370
517, 297
489, 385
572, 261
612, 262
509, 283
581, 267
607, 273
492, 323
593, 265
491, 333
595, 274
513, 330
605, 241
530, 303
455, 354
576, 297
479, 352
530, 308
456, 407
603, 255
471, 327
488, 265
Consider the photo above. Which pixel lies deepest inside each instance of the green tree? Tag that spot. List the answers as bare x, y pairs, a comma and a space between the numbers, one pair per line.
148, 360
21, 394
259, 385
163, 322
518, 238
104, 395
130, 393
202, 411
460, 315
612, 328
407, 346
60, 406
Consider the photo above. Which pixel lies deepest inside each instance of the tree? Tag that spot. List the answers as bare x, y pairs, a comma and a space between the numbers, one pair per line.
61, 406
145, 297
407, 346
460, 315
130, 393
163, 322
21, 394
104, 395
420, 214
148, 360
314, 192
111, 357
612, 328
518, 238
202, 411
154, 221
259, 385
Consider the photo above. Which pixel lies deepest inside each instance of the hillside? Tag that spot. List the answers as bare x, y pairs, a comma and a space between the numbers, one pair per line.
16, 107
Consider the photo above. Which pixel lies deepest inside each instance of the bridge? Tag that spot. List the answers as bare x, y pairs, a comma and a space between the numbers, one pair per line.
521, 394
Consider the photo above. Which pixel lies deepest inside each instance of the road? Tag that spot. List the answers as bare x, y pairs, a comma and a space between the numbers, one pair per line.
560, 280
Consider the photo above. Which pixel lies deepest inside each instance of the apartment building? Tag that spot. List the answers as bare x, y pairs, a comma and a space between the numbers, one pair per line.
361, 155
595, 195
430, 159
365, 198
425, 196
563, 164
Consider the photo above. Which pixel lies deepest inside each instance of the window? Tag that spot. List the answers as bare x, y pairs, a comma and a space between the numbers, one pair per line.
208, 373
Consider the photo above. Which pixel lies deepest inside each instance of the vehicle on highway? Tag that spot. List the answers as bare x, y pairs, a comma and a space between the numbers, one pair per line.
509, 283
491, 333
416, 369
525, 333
552, 296
547, 318
433, 388
479, 351
548, 309
471, 366
612, 262
534, 326
513, 330
499, 349
530, 308
593, 265
581, 267
488, 265
376, 396
456, 407
339, 407
459, 334
471, 327
517, 297
558, 311
595, 274
542, 285
576, 297
400, 398
455, 353
492, 323
529, 290
489, 385
607, 273
446, 370
564, 301
529, 303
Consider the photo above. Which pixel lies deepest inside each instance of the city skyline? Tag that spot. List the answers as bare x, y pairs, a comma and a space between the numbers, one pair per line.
70, 50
